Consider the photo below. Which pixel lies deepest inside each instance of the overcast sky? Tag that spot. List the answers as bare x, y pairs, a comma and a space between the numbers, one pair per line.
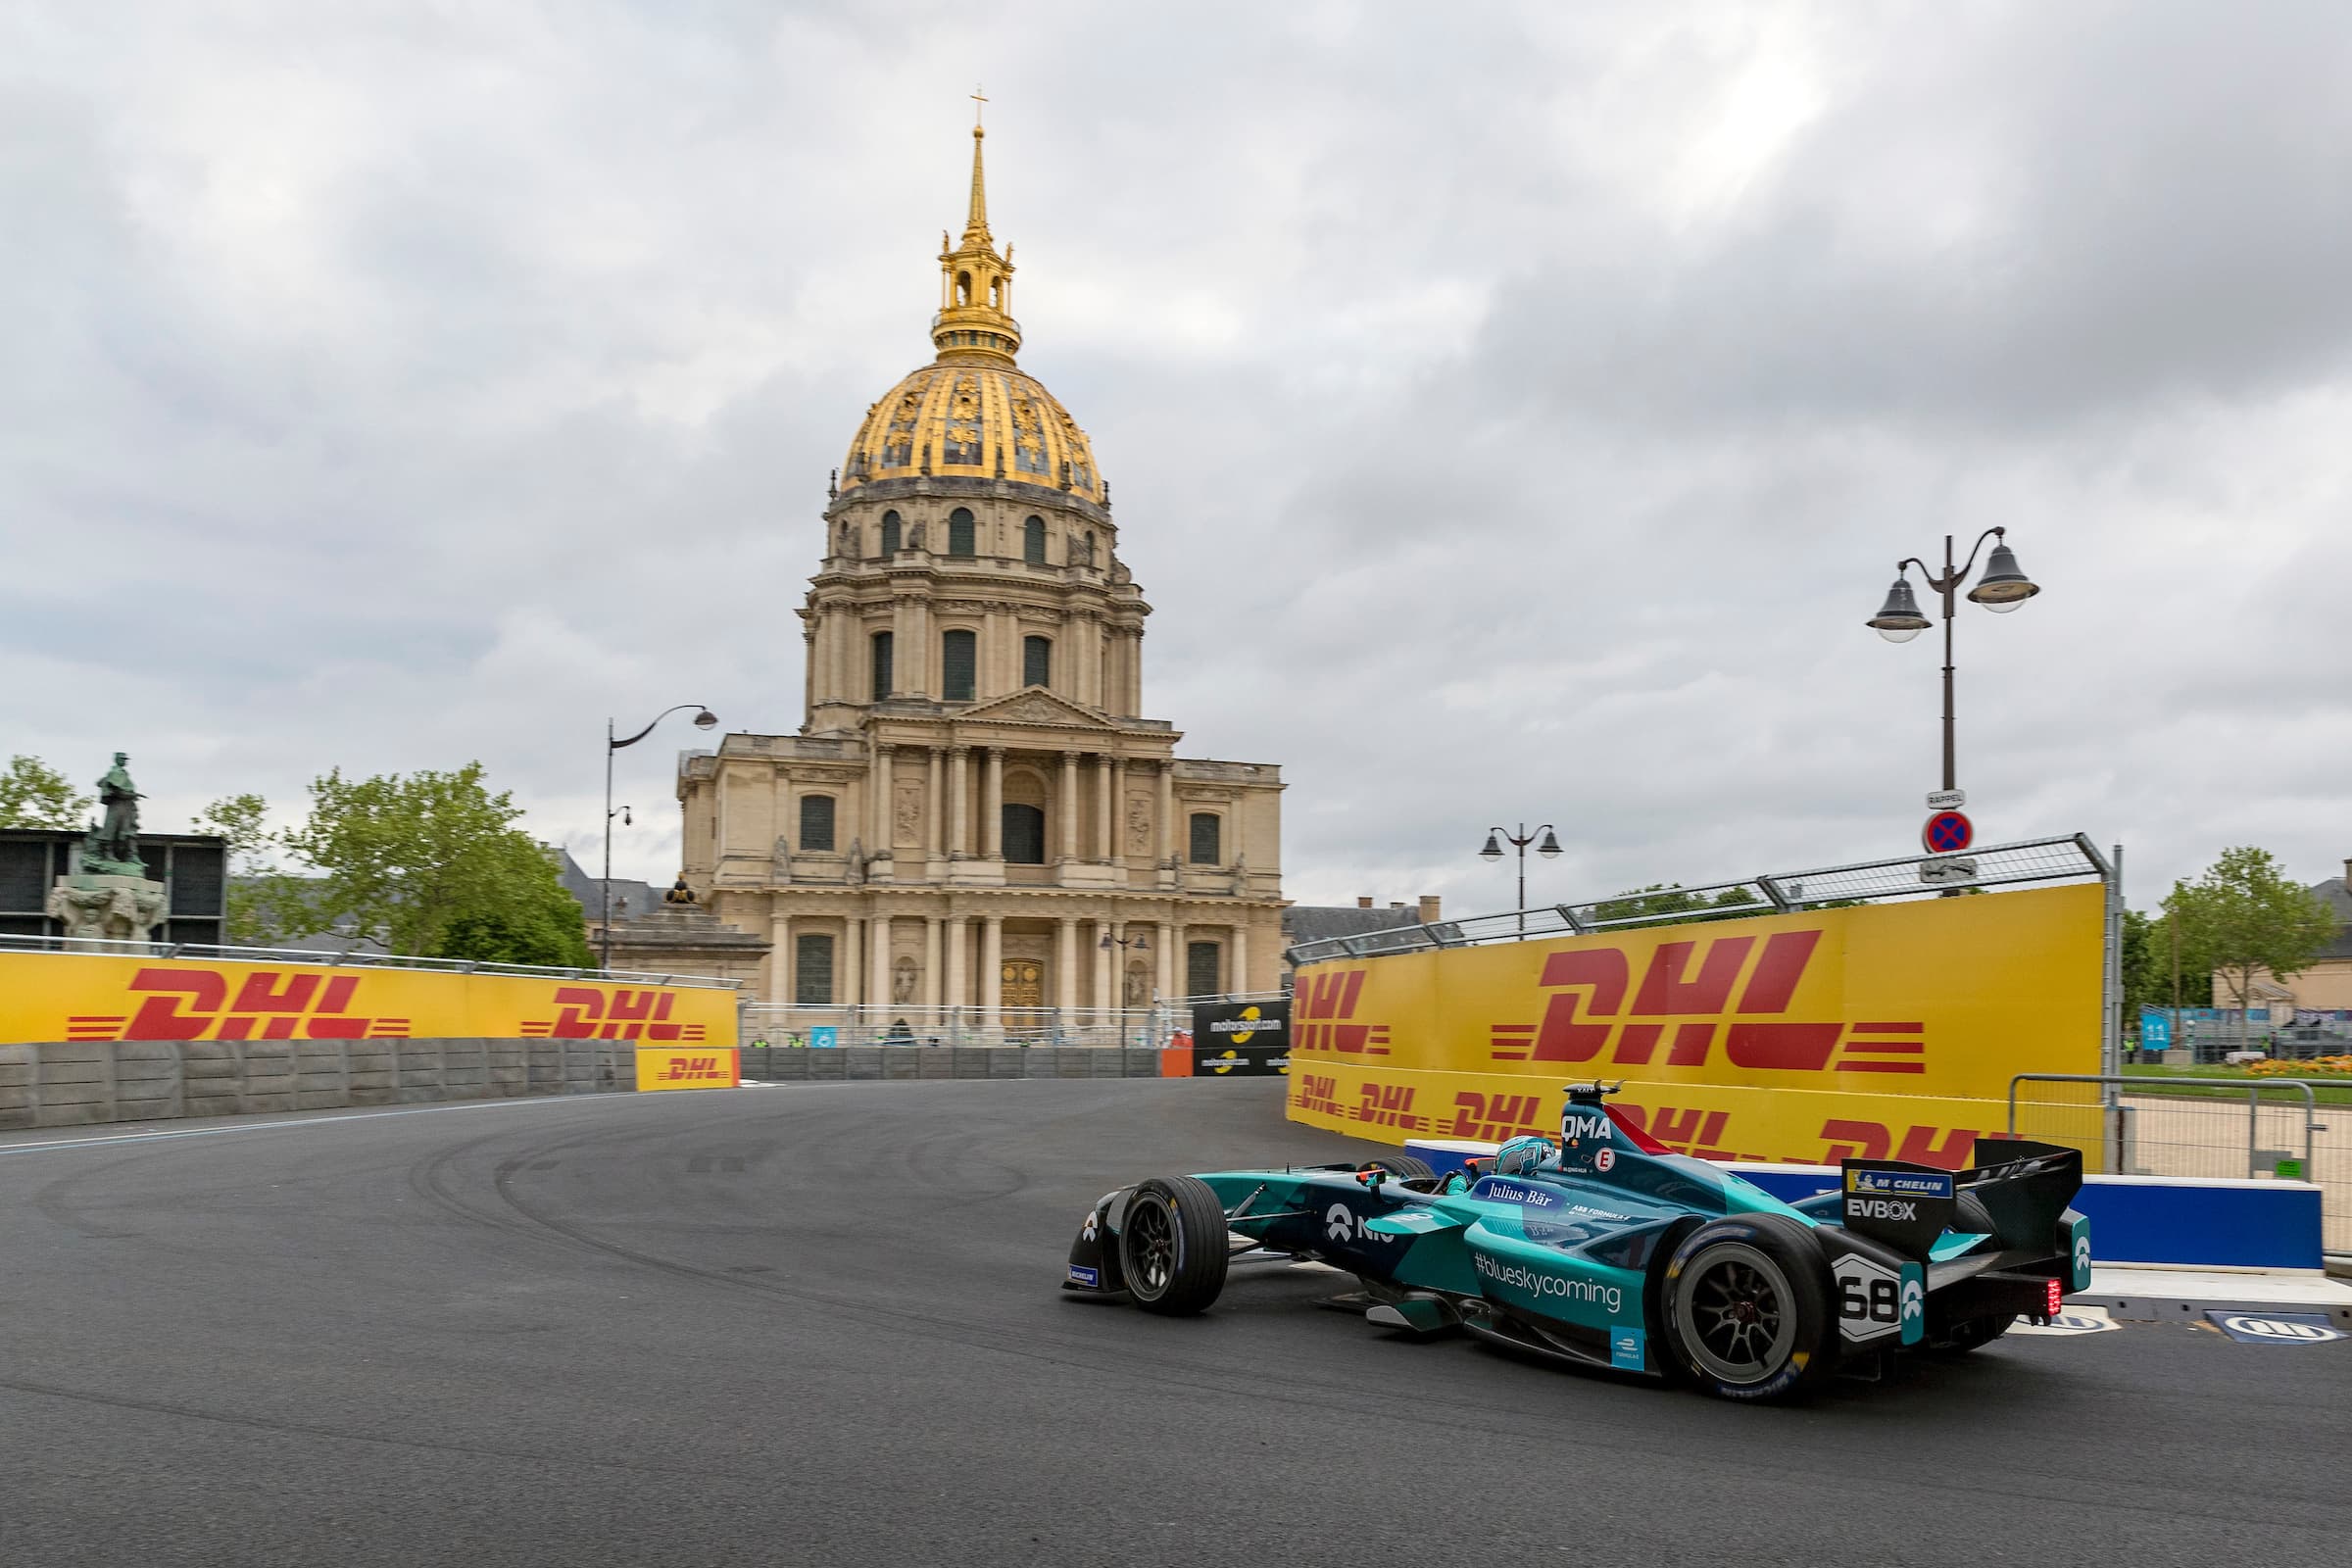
1512, 413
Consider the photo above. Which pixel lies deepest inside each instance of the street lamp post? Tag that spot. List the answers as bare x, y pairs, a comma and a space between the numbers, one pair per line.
2002, 588
1136, 944
703, 719
1549, 848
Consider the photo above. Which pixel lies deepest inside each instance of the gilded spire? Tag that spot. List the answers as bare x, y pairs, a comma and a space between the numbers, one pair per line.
975, 286
975, 224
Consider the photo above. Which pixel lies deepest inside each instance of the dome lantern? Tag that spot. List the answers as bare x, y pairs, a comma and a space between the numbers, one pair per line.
975, 323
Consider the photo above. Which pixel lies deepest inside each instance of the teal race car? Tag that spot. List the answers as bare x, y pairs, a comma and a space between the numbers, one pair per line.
1606, 1250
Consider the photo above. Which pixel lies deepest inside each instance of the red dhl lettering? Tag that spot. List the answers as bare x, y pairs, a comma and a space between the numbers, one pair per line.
692, 1069
1323, 1012
1390, 1105
620, 1012
1951, 1150
1319, 1093
1493, 1118
1582, 1020
271, 1005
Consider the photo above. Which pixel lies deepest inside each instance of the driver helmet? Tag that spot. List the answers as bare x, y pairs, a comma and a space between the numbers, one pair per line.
1522, 1157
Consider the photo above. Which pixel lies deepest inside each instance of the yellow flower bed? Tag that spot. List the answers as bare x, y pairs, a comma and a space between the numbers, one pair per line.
2316, 1067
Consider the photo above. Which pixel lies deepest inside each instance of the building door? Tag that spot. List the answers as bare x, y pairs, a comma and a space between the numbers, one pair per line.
1024, 983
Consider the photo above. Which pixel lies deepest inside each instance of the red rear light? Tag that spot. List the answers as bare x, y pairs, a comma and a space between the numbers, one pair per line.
2057, 1297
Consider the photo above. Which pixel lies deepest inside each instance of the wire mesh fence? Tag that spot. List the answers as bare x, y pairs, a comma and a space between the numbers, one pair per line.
2201, 1128
2072, 859
352, 959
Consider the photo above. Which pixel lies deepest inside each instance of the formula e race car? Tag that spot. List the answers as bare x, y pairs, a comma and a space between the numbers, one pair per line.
1607, 1249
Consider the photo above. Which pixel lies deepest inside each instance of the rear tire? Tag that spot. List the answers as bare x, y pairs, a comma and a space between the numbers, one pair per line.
1746, 1309
1405, 1167
1172, 1246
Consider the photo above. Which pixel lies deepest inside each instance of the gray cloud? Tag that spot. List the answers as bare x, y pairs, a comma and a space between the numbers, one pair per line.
1512, 413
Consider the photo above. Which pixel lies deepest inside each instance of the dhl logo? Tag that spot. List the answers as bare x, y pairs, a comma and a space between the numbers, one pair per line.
1390, 1105
1583, 1020
1322, 1014
695, 1070
1319, 1093
1952, 1149
271, 1005
586, 1012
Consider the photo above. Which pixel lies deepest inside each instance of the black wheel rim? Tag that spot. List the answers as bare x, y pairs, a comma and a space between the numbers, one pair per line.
1150, 1246
1738, 1317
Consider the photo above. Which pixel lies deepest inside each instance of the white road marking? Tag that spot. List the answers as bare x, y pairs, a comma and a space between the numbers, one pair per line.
117, 1140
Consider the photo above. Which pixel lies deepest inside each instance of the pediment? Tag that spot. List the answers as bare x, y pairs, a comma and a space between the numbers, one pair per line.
1036, 707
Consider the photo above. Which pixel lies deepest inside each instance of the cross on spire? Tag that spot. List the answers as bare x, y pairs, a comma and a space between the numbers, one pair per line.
980, 101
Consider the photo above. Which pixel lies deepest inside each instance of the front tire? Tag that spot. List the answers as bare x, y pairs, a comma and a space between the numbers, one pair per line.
1172, 1246
1747, 1308
1405, 1167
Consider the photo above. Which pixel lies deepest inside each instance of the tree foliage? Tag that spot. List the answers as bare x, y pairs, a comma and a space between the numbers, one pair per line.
266, 904
1671, 903
2147, 968
431, 863
33, 794
2244, 915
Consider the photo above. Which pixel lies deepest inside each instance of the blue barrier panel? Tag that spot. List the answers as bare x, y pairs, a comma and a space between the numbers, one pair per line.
2162, 1220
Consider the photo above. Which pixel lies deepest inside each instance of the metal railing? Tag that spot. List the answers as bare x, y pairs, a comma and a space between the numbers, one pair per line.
2196, 1127
342, 960
2072, 859
1154, 1023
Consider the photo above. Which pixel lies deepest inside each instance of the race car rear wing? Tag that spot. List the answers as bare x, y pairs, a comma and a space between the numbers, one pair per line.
2024, 1192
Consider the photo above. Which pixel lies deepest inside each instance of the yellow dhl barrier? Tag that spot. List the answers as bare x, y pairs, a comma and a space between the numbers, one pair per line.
58, 996
1881, 1031
665, 1068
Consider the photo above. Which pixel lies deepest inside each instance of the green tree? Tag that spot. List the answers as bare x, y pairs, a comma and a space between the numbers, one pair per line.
1671, 903
2243, 916
430, 860
33, 794
532, 919
266, 904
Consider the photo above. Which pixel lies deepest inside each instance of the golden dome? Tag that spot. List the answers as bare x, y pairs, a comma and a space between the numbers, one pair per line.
974, 421
973, 414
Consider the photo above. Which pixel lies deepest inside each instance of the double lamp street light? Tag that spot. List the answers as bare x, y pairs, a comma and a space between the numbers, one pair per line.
1549, 848
703, 719
2003, 587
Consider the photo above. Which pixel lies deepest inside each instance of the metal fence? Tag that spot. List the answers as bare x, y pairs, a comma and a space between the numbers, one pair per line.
2200, 1128
1136, 1028
341, 960
2072, 859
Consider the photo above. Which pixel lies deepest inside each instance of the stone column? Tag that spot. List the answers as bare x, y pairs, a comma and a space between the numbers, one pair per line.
1068, 806
992, 808
877, 973
779, 957
931, 812
853, 933
1167, 938
1167, 811
901, 644
959, 837
992, 971
1239, 978
1104, 829
1105, 963
960, 990
886, 819
932, 991
1065, 965
1118, 808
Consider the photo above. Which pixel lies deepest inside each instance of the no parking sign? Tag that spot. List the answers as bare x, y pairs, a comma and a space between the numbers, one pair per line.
1947, 833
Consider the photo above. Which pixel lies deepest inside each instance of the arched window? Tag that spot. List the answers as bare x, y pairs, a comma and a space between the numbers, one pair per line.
963, 288
1208, 832
813, 970
959, 532
958, 659
891, 540
1033, 541
882, 671
1024, 835
816, 822
1036, 661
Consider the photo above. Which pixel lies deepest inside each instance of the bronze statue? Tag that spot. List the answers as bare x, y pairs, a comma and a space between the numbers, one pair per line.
679, 892
111, 846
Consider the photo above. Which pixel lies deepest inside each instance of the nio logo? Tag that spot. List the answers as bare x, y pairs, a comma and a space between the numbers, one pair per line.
2081, 1254
1086, 1232
1342, 1224
1881, 1209
1915, 1300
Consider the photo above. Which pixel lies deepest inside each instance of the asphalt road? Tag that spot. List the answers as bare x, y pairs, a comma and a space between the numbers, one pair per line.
819, 1325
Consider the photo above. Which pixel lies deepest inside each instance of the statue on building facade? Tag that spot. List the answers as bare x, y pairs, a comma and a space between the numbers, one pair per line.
109, 895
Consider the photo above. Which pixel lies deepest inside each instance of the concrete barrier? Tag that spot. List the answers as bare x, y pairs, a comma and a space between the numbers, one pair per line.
2152, 1221
82, 1082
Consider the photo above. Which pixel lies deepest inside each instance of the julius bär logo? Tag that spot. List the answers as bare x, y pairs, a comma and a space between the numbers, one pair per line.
695, 1070
269, 1004
1323, 1013
588, 1012
1318, 1093
1587, 1013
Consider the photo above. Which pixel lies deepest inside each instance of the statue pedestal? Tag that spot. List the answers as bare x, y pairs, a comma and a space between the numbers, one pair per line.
99, 907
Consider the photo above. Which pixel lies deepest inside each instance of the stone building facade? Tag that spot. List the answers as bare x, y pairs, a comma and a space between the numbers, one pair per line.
975, 815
